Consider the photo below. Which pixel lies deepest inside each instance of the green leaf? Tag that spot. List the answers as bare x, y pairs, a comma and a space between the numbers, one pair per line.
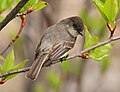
100, 52
19, 66
10, 77
1, 58
28, 5
9, 62
108, 9
8, 65
5, 4
53, 80
119, 3
39, 5
89, 40
1, 69
111, 9
17, 1
87, 34
100, 6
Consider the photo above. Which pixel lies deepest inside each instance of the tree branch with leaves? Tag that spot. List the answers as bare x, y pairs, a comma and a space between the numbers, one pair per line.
92, 47
81, 55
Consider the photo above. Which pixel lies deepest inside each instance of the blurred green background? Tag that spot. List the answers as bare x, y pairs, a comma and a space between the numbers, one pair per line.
77, 75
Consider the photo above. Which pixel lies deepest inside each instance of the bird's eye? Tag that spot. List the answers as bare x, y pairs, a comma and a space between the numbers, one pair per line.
74, 25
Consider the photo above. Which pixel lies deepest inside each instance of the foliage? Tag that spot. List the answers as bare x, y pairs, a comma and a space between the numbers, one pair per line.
8, 65
31, 4
98, 53
5, 4
108, 9
34, 4
95, 24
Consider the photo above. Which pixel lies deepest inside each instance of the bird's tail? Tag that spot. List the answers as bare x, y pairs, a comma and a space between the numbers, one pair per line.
36, 66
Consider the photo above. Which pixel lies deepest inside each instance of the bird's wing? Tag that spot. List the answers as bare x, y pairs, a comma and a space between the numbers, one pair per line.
41, 57
58, 50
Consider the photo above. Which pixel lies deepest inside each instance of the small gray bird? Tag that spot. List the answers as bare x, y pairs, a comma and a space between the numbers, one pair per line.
55, 42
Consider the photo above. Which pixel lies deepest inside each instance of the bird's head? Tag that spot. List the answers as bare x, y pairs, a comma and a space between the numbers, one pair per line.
74, 25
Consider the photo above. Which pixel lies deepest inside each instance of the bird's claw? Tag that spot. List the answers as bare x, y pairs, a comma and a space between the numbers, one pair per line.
63, 58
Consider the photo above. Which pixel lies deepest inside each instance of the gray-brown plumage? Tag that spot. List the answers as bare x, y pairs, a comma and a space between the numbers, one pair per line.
55, 42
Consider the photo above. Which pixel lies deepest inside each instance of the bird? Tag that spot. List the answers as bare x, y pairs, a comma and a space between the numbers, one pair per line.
57, 40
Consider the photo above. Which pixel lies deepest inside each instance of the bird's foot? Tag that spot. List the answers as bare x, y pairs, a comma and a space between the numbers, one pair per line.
63, 58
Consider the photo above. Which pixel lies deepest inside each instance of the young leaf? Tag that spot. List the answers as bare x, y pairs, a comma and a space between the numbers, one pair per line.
39, 5
111, 9
0, 69
108, 9
89, 40
9, 62
87, 34
119, 3
28, 5
100, 52
5, 4
100, 6
10, 77
1, 58
19, 66
8, 65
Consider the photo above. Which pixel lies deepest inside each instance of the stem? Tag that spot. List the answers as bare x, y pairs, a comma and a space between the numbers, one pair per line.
23, 18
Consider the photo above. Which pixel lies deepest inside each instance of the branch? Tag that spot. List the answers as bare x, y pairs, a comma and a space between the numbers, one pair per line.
12, 14
88, 49
58, 60
14, 72
23, 18
101, 44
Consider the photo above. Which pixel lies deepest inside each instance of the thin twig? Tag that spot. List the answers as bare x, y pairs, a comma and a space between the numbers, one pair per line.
88, 49
101, 44
12, 14
58, 60
25, 13
23, 18
14, 72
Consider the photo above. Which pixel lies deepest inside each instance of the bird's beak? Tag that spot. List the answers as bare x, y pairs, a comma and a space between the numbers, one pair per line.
81, 33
